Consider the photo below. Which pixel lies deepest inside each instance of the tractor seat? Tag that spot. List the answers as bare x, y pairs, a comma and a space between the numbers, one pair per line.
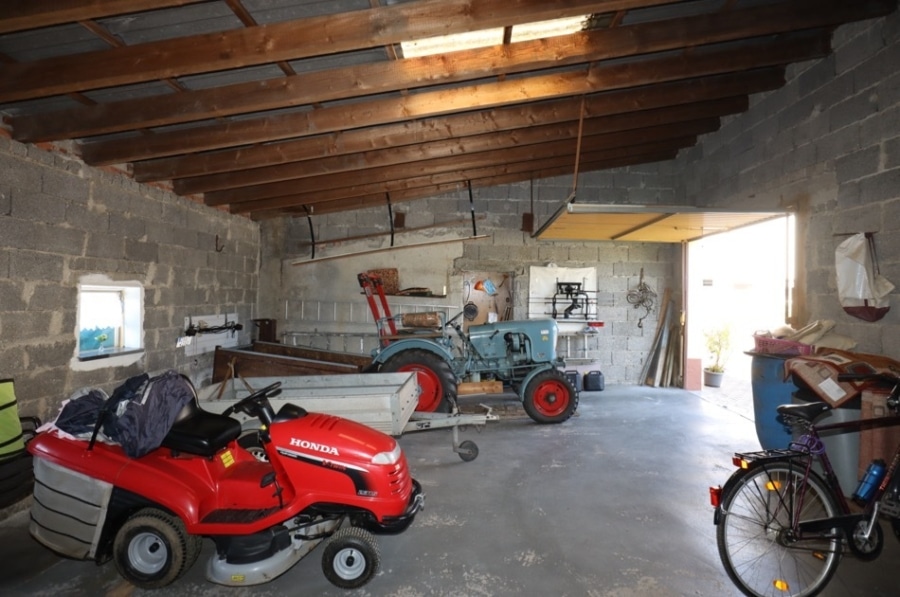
200, 432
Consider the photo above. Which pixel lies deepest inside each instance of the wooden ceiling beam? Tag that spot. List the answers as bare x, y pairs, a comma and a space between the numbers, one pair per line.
532, 171
410, 157
21, 15
399, 176
614, 104
381, 77
291, 40
760, 54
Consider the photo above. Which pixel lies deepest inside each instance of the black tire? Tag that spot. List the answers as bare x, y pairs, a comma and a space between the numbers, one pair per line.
152, 549
754, 536
550, 397
866, 550
250, 442
437, 383
351, 558
468, 450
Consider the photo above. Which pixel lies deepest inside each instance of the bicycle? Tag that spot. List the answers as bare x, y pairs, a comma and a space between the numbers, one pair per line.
782, 526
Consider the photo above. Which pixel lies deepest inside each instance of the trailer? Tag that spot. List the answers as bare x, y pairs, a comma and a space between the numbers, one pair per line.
384, 401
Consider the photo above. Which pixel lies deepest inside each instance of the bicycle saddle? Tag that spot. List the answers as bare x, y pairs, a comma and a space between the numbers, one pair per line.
809, 411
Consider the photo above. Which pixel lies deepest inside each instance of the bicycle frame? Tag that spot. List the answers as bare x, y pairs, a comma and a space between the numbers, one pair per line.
775, 509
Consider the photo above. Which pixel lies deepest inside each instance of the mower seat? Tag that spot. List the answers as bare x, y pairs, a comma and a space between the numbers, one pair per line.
200, 432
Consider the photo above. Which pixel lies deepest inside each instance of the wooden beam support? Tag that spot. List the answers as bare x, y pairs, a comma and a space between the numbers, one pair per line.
291, 40
411, 157
381, 77
665, 95
21, 15
492, 167
760, 54
357, 203
502, 155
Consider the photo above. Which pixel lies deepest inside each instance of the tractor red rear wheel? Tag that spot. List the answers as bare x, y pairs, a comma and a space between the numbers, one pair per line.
437, 383
550, 397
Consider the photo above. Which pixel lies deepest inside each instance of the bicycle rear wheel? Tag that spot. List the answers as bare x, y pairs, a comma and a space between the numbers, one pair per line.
757, 545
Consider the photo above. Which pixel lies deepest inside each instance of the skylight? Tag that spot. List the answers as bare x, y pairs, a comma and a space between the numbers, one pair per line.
491, 37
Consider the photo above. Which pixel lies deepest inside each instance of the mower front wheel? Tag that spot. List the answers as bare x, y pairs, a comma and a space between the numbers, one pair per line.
153, 549
437, 383
550, 397
350, 558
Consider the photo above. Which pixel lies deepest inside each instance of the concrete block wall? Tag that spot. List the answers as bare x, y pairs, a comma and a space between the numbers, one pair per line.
827, 145
618, 349
60, 220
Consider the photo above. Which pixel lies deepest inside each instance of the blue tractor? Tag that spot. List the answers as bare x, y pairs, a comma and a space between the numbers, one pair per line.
519, 354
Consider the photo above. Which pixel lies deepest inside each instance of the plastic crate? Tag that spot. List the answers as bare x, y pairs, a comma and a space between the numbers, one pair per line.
764, 345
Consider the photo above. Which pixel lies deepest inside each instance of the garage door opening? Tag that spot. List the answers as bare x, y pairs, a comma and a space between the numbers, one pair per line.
742, 280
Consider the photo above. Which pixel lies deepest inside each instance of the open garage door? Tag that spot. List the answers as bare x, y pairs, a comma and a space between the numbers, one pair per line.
654, 223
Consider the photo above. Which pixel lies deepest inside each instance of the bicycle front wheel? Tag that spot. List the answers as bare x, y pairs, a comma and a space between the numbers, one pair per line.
761, 552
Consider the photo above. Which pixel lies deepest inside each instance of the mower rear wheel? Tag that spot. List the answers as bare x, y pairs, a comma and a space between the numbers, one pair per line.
550, 397
153, 549
437, 383
350, 558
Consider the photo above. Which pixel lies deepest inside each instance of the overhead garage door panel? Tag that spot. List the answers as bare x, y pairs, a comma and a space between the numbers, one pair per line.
665, 224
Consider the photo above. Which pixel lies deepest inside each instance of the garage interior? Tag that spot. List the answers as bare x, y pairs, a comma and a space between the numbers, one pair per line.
242, 161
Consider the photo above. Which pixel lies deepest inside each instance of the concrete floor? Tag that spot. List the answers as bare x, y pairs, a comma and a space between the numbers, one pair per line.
612, 503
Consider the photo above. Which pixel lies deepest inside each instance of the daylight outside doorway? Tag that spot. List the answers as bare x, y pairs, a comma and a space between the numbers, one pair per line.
740, 279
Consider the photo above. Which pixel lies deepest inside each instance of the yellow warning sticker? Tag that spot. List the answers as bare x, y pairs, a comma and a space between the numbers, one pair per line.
227, 458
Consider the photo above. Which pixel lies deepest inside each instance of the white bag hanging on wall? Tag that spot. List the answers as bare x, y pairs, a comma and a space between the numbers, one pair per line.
862, 290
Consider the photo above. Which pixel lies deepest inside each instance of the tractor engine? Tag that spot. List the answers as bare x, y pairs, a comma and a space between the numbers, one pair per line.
506, 345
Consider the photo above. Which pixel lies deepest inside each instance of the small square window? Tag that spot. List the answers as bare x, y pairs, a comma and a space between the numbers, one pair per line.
110, 319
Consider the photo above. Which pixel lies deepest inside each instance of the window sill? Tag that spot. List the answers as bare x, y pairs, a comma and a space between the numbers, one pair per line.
105, 353
93, 359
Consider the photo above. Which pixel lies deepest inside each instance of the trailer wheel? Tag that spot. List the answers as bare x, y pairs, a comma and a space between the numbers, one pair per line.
468, 450
550, 397
437, 383
152, 549
351, 558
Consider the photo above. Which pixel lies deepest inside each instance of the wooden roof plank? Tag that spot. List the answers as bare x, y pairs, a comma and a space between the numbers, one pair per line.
504, 156
433, 103
21, 15
380, 77
493, 166
290, 40
412, 157
667, 97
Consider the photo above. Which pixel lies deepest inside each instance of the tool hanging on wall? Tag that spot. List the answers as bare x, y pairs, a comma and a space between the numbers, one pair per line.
642, 296
203, 328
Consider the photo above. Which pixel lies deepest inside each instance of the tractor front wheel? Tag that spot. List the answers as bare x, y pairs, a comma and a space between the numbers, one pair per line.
550, 397
437, 383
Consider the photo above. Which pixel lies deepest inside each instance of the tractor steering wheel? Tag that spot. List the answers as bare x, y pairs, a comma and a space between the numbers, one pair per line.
257, 404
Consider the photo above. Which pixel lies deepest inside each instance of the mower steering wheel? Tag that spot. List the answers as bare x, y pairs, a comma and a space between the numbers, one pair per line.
256, 403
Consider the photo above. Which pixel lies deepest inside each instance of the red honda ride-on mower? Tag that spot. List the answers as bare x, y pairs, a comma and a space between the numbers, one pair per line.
325, 478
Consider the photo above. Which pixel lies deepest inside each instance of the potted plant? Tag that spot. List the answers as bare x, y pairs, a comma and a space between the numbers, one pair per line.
718, 343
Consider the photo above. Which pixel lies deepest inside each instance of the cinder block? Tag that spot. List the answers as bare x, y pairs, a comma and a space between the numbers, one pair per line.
28, 265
